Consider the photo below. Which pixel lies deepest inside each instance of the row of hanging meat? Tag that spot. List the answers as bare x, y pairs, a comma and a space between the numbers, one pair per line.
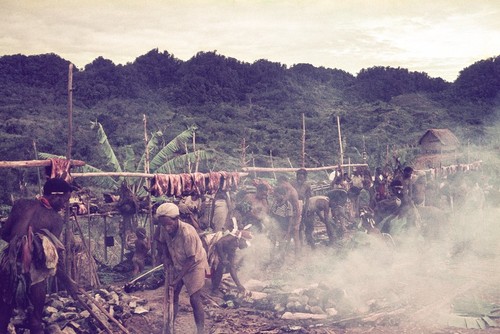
452, 169
186, 184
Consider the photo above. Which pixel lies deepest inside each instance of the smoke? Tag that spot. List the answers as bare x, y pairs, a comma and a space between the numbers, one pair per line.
423, 275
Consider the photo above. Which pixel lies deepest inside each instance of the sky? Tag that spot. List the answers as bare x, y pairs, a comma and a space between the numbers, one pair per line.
439, 37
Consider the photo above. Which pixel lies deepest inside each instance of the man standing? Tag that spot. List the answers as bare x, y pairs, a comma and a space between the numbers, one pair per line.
289, 194
33, 254
259, 207
304, 191
182, 250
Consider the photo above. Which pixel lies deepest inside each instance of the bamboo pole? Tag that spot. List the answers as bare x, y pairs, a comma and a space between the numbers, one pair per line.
94, 279
303, 141
68, 232
38, 170
340, 142
311, 169
168, 315
168, 305
150, 206
130, 174
70, 111
196, 154
272, 162
35, 163
105, 239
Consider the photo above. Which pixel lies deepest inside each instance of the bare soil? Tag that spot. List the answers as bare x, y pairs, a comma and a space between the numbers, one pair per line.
246, 320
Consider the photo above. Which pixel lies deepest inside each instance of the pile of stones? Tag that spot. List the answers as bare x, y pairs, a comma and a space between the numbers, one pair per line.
62, 314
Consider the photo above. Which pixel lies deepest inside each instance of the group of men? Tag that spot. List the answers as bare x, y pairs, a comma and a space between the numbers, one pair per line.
31, 251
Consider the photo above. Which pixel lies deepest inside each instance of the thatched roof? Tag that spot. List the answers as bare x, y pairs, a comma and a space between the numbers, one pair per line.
444, 136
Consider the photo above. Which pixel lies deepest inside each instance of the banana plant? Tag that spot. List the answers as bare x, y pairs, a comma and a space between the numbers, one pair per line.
165, 159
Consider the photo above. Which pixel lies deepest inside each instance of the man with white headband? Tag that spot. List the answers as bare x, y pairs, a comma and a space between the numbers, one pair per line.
181, 248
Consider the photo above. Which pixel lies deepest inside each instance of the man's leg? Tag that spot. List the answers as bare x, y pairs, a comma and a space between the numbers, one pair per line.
177, 292
198, 312
37, 298
5, 314
309, 229
217, 276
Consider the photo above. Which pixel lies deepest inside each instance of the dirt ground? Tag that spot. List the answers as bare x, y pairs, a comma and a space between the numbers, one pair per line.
246, 320
423, 289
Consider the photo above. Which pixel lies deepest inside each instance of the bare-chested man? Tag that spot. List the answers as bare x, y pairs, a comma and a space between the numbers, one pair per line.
290, 194
33, 222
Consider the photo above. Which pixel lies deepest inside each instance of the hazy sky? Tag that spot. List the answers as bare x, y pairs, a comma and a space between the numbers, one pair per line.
439, 37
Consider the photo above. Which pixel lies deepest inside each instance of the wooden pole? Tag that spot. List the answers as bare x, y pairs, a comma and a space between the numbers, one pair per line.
293, 170
303, 141
35, 163
340, 142
129, 174
103, 310
94, 279
70, 111
168, 313
272, 162
105, 239
196, 154
38, 170
148, 182
68, 232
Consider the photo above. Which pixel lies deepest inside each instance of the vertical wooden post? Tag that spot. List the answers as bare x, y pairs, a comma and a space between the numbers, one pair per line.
68, 233
340, 142
38, 170
105, 240
168, 304
70, 112
303, 141
272, 163
148, 181
168, 313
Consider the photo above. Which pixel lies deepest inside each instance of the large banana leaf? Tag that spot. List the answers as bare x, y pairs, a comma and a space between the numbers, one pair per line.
167, 152
106, 182
106, 148
129, 162
180, 162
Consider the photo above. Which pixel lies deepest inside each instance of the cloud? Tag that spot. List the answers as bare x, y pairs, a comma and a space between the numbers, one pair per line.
349, 35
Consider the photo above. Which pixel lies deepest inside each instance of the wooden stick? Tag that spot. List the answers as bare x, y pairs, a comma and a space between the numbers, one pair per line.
168, 307
168, 315
103, 310
129, 174
92, 313
70, 111
35, 163
94, 278
272, 163
157, 268
284, 169
340, 142
303, 141
148, 183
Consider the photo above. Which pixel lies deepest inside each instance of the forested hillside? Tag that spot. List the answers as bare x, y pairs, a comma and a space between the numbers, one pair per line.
381, 108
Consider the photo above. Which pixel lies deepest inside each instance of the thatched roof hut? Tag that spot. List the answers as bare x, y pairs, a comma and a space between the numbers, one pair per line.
438, 147
438, 141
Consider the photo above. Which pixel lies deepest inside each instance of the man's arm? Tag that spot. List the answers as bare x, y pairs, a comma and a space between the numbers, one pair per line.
226, 250
187, 265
